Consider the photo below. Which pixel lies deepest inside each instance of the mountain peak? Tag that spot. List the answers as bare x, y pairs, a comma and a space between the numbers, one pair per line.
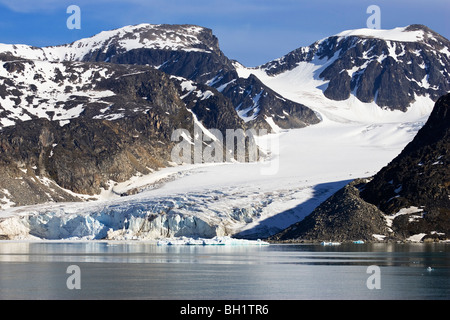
145, 36
420, 27
184, 37
415, 33
390, 68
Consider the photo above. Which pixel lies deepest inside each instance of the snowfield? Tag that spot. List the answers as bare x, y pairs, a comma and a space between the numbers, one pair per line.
396, 34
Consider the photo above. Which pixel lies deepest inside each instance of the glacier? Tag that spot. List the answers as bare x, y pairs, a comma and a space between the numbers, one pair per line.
147, 220
223, 199
209, 214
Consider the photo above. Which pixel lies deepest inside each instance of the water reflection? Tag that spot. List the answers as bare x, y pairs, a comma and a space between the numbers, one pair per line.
142, 252
116, 270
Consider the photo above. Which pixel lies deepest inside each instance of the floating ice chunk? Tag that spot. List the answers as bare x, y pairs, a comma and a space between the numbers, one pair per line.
216, 241
326, 243
396, 34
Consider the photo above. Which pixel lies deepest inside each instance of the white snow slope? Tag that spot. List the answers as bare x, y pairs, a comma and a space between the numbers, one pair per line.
305, 166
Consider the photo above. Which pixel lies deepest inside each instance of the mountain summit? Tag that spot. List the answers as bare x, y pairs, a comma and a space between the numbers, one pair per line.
106, 44
390, 68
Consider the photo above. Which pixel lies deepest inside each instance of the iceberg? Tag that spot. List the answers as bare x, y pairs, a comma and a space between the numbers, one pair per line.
216, 241
330, 243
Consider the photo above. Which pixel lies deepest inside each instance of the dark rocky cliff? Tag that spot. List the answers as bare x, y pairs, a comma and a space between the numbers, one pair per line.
342, 217
419, 177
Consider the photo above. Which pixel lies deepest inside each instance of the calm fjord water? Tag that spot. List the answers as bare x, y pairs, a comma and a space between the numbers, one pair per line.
139, 270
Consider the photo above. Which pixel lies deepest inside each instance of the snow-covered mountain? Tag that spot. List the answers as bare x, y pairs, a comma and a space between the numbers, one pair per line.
32, 89
72, 127
93, 120
389, 69
187, 51
362, 70
110, 43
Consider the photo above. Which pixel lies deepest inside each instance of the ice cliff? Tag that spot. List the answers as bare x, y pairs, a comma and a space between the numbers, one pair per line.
163, 219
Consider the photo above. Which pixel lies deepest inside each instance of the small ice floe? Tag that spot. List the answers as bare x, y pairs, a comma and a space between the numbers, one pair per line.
429, 269
216, 241
330, 243
358, 242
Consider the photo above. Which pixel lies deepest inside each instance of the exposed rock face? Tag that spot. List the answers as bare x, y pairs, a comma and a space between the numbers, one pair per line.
255, 103
409, 196
187, 51
84, 155
79, 117
96, 125
200, 65
419, 177
20, 186
342, 217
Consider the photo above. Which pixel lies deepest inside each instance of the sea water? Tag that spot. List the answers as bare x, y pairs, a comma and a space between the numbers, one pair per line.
140, 270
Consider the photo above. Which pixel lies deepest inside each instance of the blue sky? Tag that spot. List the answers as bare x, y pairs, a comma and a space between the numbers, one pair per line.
250, 31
